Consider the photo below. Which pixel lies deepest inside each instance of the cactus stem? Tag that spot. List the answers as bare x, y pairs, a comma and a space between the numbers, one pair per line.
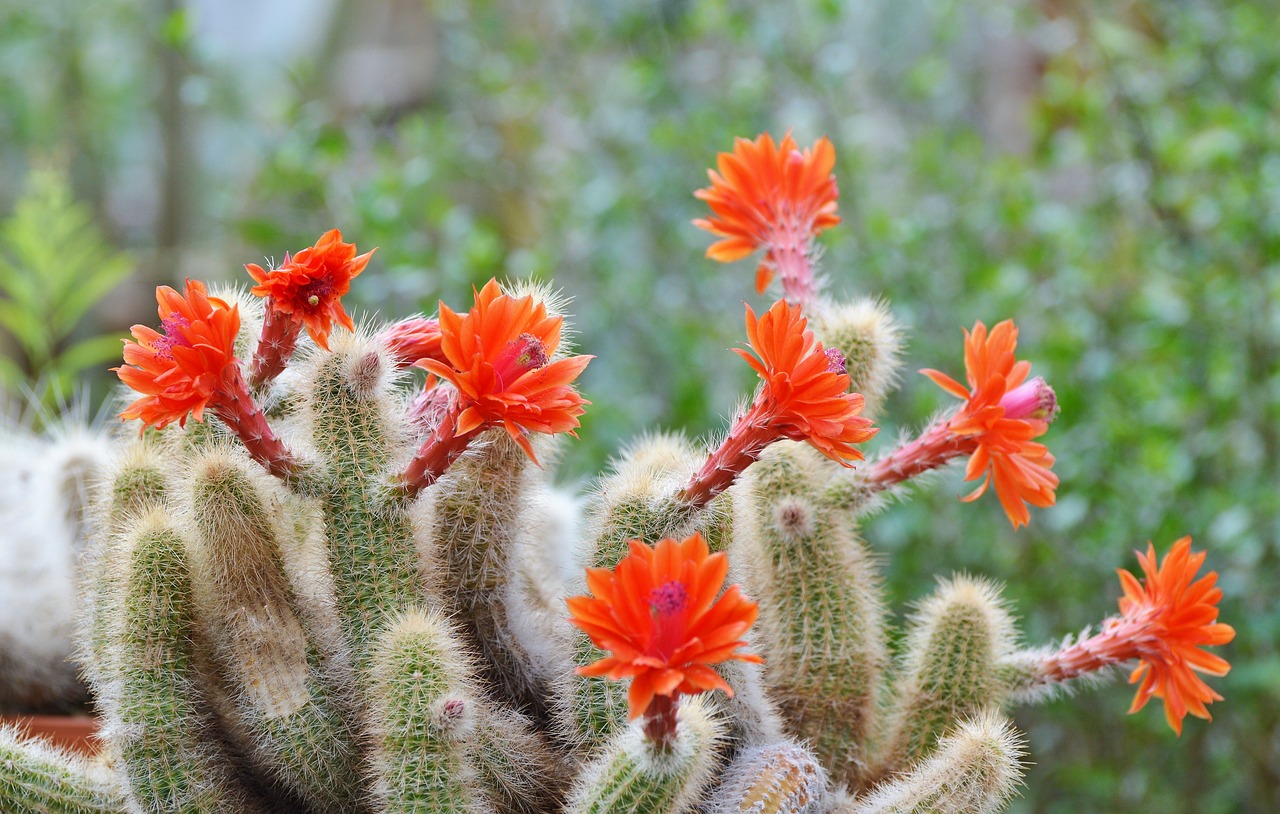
279, 339
747, 439
437, 453
659, 722
239, 410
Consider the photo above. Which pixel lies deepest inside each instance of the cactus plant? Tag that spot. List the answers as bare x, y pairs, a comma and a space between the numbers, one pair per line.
44, 527
329, 591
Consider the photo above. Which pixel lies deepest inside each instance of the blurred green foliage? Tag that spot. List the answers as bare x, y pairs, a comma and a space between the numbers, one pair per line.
54, 267
1108, 174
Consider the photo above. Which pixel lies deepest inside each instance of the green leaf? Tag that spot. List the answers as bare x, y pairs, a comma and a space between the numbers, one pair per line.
27, 329
55, 266
79, 300
96, 350
12, 378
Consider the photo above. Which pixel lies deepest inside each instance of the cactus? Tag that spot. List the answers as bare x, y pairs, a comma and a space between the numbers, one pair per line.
957, 635
975, 770
44, 528
35, 777
777, 778
633, 775
336, 588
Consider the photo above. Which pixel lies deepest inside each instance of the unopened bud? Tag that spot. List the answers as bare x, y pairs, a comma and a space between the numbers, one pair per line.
1034, 399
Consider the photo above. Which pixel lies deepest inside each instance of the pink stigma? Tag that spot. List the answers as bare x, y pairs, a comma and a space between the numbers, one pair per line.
522, 354
835, 361
669, 598
173, 336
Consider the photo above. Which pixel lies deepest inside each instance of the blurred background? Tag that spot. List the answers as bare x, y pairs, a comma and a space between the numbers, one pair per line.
1106, 173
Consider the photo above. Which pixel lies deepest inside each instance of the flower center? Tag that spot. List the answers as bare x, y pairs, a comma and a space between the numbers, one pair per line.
667, 604
315, 292
668, 599
522, 354
173, 326
835, 361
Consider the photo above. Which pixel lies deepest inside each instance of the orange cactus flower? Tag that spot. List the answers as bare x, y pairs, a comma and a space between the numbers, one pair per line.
179, 370
1178, 614
658, 616
1002, 414
499, 357
1166, 619
309, 286
804, 396
772, 196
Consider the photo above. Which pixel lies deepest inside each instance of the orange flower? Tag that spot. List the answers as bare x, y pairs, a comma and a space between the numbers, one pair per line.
658, 616
499, 357
1165, 621
180, 370
805, 397
775, 197
1002, 413
1178, 614
309, 286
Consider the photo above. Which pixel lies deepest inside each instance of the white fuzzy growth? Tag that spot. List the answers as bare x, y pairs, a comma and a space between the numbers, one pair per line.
866, 333
44, 525
975, 770
963, 591
777, 778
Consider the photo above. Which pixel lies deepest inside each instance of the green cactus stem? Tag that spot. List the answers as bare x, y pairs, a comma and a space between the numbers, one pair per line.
950, 671
475, 528
39, 778
975, 770
424, 715
156, 715
376, 569
821, 623
634, 776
